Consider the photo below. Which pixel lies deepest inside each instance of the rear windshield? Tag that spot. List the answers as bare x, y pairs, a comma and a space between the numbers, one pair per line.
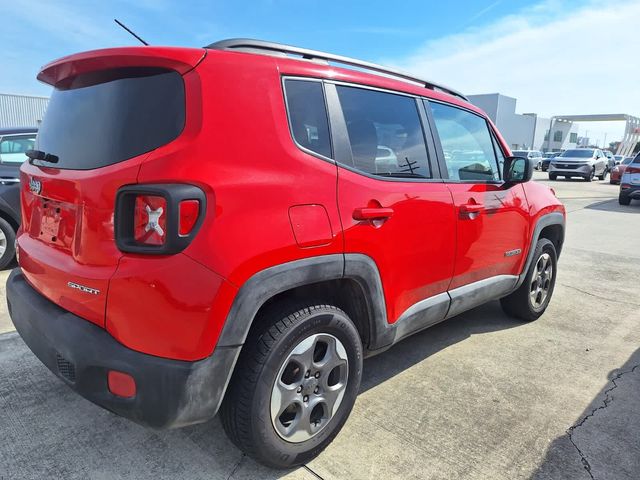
580, 153
105, 118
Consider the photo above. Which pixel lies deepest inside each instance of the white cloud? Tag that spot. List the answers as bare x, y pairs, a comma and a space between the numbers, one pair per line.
555, 59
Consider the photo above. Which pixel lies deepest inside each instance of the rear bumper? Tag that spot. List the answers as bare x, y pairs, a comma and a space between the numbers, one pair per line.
170, 393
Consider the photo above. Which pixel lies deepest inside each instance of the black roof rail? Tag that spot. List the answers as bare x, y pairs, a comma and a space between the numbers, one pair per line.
258, 46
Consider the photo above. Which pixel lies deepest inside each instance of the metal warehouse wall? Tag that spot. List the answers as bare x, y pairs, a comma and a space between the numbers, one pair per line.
21, 110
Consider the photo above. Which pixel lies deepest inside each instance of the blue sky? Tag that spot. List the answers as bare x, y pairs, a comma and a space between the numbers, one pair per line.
554, 56
370, 30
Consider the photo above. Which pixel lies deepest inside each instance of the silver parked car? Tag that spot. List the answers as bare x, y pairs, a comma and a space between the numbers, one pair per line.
579, 162
534, 155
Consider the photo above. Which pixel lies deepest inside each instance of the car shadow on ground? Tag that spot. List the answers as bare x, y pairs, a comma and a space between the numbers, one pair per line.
49, 431
603, 442
418, 347
614, 206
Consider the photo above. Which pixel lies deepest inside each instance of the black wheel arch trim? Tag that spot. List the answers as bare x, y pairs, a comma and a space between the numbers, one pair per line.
278, 279
546, 220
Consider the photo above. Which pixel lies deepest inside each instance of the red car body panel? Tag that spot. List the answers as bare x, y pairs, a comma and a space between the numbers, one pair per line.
501, 226
617, 172
403, 247
254, 177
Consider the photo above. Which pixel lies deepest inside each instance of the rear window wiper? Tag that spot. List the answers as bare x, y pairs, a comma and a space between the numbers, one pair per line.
40, 155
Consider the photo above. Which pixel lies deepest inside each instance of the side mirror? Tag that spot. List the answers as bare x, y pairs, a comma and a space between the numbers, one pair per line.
517, 170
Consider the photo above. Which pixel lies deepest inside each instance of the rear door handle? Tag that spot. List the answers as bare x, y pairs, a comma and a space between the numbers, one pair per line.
471, 210
372, 213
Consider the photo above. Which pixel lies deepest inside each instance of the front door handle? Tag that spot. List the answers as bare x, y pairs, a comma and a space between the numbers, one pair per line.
372, 213
471, 210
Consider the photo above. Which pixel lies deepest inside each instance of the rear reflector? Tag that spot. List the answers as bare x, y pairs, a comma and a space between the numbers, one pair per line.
150, 220
189, 211
121, 384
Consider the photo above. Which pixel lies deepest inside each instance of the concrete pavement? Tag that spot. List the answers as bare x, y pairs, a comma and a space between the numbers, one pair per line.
479, 396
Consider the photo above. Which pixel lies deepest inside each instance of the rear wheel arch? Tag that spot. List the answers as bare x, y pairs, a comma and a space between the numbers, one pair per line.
350, 282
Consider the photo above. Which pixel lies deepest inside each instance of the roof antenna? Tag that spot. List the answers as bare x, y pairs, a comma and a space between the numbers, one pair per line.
131, 32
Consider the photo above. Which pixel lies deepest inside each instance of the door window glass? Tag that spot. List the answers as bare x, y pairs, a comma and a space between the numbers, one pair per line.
466, 143
385, 133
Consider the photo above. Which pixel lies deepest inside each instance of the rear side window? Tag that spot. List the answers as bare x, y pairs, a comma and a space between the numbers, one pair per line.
104, 118
385, 133
466, 143
637, 159
12, 148
308, 115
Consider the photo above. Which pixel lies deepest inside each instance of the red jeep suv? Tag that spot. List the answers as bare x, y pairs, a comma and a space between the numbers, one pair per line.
237, 227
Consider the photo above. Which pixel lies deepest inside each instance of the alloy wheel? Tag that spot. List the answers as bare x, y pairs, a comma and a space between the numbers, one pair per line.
3, 243
309, 387
541, 281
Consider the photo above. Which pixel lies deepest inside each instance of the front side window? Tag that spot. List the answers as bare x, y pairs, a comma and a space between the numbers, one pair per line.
385, 133
308, 115
499, 154
13, 148
466, 143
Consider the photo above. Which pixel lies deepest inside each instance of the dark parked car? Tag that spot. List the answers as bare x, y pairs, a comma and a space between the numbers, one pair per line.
546, 159
13, 143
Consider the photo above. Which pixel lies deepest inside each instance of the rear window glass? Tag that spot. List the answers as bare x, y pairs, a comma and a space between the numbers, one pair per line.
308, 115
105, 118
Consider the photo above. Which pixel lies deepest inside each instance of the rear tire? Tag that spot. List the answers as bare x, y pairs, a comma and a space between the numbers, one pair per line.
7, 243
531, 299
280, 394
624, 200
603, 175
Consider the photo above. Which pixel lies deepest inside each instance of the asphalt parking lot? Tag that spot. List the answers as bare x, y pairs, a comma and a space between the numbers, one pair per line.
478, 397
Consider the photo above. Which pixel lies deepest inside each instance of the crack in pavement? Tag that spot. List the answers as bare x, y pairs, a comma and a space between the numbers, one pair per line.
235, 468
601, 296
306, 467
607, 401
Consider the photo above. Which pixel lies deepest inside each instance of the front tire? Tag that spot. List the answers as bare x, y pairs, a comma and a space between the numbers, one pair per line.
591, 176
295, 384
531, 299
552, 176
7, 243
